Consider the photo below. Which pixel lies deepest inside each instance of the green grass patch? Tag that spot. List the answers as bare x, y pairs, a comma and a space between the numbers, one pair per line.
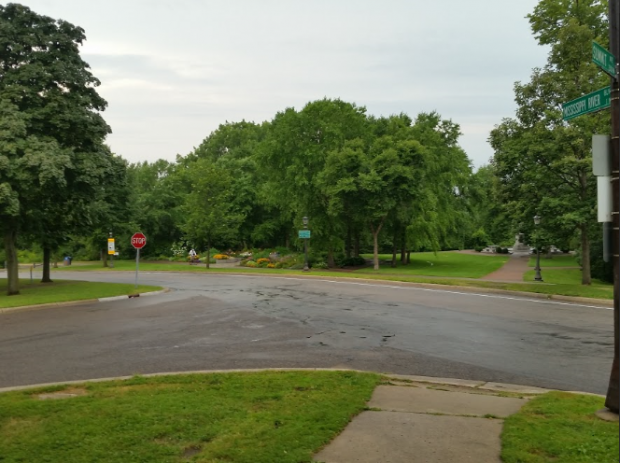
443, 264
65, 291
262, 417
568, 282
560, 427
555, 261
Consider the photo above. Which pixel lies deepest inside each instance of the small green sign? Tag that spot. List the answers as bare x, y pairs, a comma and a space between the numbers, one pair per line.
304, 234
604, 59
590, 103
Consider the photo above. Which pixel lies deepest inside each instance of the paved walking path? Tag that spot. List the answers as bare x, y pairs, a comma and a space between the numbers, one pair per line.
512, 270
420, 419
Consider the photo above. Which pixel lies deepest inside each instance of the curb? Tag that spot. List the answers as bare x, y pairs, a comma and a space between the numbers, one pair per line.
82, 301
132, 296
475, 385
484, 385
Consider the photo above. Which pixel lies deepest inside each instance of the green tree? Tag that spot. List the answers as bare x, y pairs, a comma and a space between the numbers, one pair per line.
208, 208
379, 178
544, 164
49, 96
157, 194
293, 155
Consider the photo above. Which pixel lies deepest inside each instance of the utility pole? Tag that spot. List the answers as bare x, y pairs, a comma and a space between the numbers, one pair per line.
613, 392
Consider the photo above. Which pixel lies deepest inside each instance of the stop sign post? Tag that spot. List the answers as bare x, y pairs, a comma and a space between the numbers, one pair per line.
138, 241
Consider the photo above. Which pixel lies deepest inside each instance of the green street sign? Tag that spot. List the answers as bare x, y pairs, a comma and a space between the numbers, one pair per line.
304, 234
590, 103
604, 59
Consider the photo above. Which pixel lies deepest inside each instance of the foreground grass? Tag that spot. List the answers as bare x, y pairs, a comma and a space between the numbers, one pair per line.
569, 282
555, 261
444, 264
560, 427
262, 417
65, 291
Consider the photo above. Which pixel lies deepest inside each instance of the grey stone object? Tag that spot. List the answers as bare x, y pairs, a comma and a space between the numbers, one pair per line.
520, 249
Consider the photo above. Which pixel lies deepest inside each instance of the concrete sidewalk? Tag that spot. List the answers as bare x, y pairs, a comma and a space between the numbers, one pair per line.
420, 419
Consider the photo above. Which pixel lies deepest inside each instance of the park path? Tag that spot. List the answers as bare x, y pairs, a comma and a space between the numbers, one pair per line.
512, 270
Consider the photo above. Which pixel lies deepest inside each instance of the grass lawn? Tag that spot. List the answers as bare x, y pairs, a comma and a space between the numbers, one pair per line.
557, 261
64, 291
443, 264
560, 427
266, 417
568, 281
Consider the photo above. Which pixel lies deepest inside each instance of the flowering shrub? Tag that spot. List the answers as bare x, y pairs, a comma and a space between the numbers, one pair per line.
220, 256
263, 260
251, 263
271, 265
178, 251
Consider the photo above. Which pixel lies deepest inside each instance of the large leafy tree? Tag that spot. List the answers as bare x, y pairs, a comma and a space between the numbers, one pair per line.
544, 164
49, 96
293, 155
208, 209
156, 199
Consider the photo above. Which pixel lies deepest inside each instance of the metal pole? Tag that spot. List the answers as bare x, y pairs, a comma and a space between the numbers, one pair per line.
613, 393
538, 276
137, 264
111, 255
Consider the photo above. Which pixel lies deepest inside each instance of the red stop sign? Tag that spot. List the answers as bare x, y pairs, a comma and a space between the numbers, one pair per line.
138, 240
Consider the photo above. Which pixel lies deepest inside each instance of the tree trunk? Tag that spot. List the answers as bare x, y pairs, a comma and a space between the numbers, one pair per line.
394, 248
586, 274
331, 262
403, 247
47, 252
209, 254
349, 242
357, 245
375, 237
12, 269
104, 256
408, 257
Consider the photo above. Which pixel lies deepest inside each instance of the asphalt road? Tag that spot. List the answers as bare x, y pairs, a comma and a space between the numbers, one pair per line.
226, 322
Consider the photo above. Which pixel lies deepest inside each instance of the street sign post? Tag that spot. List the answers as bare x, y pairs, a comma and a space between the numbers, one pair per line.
304, 234
590, 103
111, 249
138, 241
604, 59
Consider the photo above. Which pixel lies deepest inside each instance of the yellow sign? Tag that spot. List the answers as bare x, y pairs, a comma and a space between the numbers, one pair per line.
111, 246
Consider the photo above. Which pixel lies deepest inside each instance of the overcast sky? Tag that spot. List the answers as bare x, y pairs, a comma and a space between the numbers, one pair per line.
173, 70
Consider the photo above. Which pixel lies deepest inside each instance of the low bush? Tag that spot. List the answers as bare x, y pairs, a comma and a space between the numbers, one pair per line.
320, 266
260, 254
221, 257
251, 264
